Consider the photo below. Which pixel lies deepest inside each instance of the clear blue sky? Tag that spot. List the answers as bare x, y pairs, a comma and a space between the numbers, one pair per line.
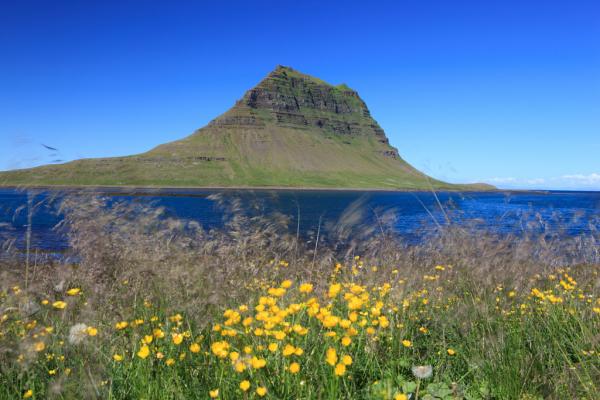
506, 92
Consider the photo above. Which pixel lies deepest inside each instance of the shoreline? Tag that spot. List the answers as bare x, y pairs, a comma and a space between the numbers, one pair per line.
132, 189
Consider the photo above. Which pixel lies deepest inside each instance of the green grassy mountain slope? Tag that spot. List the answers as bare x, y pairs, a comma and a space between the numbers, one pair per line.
291, 130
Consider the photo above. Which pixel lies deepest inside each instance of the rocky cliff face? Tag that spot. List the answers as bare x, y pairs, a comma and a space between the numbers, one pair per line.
291, 99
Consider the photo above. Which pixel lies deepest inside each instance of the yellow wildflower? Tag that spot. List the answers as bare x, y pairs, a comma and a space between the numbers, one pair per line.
406, 343
117, 357
176, 318
239, 367
245, 385
286, 284
306, 288
195, 348
158, 333
331, 356
258, 363
213, 393
177, 338
294, 368
288, 350
144, 352
334, 289
220, 349
121, 325
261, 391
340, 369
28, 394
59, 305
91, 331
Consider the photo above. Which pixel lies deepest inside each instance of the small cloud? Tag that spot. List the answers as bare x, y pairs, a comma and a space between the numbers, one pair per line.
535, 181
501, 180
590, 179
567, 182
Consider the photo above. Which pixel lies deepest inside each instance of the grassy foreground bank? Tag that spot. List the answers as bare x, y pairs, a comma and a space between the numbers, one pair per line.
440, 338
158, 308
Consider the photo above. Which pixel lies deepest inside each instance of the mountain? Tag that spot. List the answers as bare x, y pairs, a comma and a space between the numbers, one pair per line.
291, 130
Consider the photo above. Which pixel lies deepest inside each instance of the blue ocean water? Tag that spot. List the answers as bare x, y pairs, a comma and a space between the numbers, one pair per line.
570, 213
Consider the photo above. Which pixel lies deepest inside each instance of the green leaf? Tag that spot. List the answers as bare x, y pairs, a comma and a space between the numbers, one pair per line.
409, 387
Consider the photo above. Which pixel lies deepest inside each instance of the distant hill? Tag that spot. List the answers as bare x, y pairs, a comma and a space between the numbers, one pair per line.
291, 130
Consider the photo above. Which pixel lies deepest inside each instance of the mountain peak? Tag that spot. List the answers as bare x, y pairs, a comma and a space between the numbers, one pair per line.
291, 130
286, 90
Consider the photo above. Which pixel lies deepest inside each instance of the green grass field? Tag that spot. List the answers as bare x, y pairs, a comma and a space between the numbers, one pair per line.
300, 339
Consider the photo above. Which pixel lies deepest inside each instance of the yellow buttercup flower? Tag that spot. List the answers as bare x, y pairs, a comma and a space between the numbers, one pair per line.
306, 288
73, 291
400, 396
213, 393
273, 347
39, 346
239, 367
143, 352
451, 352
288, 350
176, 318
245, 385
334, 290
346, 341
59, 305
195, 348
28, 394
340, 369
220, 349
258, 363
294, 368
286, 284
331, 356
158, 333
117, 357
177, 338
121, 325
406, 343
261, 391
170, 362
346, 360
91, 331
